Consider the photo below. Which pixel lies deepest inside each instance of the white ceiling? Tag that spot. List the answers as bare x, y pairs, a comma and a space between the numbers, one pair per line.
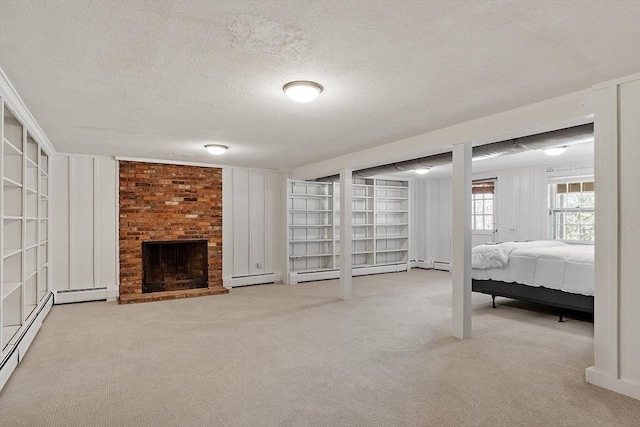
159, 79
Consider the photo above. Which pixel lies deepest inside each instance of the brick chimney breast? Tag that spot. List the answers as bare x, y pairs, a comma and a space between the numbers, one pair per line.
160, 202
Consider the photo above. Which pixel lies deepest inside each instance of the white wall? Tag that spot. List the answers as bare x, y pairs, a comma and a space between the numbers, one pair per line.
251, 231
521, 207
433, 222
84, 226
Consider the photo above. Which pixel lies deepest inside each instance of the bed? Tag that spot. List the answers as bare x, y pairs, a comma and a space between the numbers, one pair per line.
552, 273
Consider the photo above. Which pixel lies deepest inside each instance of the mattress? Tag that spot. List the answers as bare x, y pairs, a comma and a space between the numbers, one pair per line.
555, 265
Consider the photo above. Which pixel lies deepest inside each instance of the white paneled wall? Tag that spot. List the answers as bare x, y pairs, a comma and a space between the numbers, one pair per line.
251, 224
521, 206
84, 231
84, 227
433, 222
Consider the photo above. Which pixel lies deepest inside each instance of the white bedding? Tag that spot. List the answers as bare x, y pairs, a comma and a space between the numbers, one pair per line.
554, 265
497, 255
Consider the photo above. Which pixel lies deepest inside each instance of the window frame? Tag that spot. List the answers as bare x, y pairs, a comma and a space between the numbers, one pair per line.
553, 210
493, 229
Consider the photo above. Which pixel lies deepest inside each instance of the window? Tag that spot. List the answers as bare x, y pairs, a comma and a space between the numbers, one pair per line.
482, 205
572, 211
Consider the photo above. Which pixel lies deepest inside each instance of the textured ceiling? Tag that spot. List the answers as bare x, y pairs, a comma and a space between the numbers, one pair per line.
159, 79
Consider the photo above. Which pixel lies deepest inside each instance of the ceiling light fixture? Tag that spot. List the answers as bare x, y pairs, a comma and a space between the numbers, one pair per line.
216, 149
555, 151
422, 171
302, 90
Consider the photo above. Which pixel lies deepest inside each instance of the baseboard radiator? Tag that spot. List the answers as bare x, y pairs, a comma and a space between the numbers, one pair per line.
68, 296
20, 343
252, 279
295, 277
441, 265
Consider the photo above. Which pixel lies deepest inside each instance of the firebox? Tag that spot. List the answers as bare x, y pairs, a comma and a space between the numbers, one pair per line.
174, 265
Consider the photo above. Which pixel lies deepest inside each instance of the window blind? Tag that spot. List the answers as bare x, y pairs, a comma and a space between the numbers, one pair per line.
483, 187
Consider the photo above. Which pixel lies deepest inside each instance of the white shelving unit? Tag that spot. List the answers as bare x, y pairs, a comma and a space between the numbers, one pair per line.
392, 221
362, 221
24, 231
380, 228
311, 226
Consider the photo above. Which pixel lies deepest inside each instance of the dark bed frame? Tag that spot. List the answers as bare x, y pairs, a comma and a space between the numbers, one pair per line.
540, 295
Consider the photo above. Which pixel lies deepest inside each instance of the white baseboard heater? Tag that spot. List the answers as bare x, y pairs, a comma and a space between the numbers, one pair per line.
67, 296
310, 276
441, 265
255, 279
21, 342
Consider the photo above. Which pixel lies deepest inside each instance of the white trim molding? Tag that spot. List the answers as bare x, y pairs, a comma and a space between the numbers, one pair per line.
604, 380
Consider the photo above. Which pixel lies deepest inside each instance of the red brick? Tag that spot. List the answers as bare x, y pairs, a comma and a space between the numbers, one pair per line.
168, 202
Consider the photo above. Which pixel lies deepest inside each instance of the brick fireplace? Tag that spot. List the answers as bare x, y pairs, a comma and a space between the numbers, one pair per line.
168, 203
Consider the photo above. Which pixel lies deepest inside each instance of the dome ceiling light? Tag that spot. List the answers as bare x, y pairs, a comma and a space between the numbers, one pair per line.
555, 151
302, 90
216, 149
422, 171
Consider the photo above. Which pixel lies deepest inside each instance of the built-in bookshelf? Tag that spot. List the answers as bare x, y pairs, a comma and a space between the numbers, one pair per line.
362, 222
380, 225
311, 226
392, 221
24, 231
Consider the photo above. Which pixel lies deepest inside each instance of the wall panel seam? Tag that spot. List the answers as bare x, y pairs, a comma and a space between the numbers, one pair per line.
71, 177
96, 217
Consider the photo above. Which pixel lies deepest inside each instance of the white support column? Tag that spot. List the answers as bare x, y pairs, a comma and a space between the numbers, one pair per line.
616, 332
461, 244
346, 193
606, 152
283, 182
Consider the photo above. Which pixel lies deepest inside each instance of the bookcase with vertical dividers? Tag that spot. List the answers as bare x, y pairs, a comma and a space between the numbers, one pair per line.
392, 221
25, 227
380, 228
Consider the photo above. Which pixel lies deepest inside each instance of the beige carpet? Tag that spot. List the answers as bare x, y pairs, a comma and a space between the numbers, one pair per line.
277, 355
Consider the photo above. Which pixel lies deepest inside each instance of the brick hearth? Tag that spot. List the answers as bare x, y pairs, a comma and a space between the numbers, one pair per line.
168, 202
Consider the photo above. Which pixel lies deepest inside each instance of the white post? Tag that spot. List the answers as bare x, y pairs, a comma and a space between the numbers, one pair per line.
345, 232
616, 330
461, 244
283, 183
606, 154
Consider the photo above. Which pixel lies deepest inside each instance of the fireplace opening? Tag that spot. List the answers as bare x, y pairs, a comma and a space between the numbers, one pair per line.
174, 265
